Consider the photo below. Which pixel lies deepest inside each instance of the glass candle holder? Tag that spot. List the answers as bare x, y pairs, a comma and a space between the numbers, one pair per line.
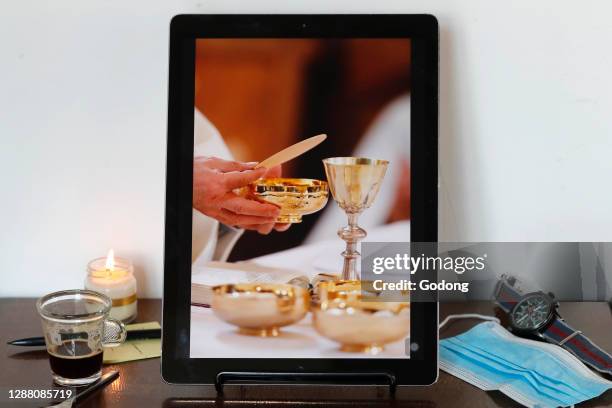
114, 277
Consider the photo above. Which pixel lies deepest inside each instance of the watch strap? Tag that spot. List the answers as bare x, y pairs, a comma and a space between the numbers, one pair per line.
506, 296
562, 334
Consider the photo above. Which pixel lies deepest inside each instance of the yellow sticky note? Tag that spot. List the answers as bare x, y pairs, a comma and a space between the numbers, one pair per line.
138, 349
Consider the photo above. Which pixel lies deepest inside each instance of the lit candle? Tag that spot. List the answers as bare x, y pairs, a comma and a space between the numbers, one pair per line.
114, 277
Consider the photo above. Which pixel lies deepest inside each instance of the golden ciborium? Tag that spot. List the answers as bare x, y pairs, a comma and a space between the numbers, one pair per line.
354, 183
260, 309
294, 196
359, 325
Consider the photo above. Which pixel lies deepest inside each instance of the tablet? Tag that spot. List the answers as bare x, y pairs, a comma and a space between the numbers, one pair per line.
242, 87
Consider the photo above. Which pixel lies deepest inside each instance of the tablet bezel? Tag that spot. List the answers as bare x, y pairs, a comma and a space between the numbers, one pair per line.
176, 366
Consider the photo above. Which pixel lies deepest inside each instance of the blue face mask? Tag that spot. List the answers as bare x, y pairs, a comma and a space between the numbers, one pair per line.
532, 373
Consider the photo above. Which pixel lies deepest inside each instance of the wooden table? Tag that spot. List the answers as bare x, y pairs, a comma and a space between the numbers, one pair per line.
140, 383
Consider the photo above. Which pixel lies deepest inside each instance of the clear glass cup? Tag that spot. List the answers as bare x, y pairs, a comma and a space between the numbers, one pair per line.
76, 327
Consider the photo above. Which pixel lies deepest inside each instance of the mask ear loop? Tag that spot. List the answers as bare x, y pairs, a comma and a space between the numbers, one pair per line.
467, 316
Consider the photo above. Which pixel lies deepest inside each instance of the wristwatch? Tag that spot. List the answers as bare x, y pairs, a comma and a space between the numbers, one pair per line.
535, 315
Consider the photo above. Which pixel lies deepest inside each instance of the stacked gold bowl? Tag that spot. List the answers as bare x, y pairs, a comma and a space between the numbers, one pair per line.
294, 196
359, 325
260, 309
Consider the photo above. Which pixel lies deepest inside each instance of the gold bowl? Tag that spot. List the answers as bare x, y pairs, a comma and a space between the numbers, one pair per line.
260, 309
294, 196
358, 325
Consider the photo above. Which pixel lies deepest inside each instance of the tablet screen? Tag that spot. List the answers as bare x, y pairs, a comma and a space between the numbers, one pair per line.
267, 252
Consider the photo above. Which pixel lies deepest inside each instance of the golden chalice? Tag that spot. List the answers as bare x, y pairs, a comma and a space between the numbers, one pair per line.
260, 309
294, 196
358, 325
354, 183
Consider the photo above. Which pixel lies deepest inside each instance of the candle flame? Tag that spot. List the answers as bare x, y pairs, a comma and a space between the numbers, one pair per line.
110, 260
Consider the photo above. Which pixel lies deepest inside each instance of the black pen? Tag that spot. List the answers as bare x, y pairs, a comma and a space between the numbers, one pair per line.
131, 335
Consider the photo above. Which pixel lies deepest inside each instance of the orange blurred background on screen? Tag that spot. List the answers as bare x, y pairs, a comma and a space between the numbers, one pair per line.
284, 90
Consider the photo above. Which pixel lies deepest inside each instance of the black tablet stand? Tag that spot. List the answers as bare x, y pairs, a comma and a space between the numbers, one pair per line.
372, 378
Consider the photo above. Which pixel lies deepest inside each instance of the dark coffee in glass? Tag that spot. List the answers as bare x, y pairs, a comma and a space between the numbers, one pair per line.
74, 359
77, 327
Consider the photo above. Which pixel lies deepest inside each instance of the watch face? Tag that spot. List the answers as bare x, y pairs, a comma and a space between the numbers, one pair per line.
532, 312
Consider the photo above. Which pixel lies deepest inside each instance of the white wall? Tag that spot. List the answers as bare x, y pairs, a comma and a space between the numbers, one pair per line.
526, 130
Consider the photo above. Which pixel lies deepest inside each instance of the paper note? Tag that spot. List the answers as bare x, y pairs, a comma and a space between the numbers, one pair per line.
138, 349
